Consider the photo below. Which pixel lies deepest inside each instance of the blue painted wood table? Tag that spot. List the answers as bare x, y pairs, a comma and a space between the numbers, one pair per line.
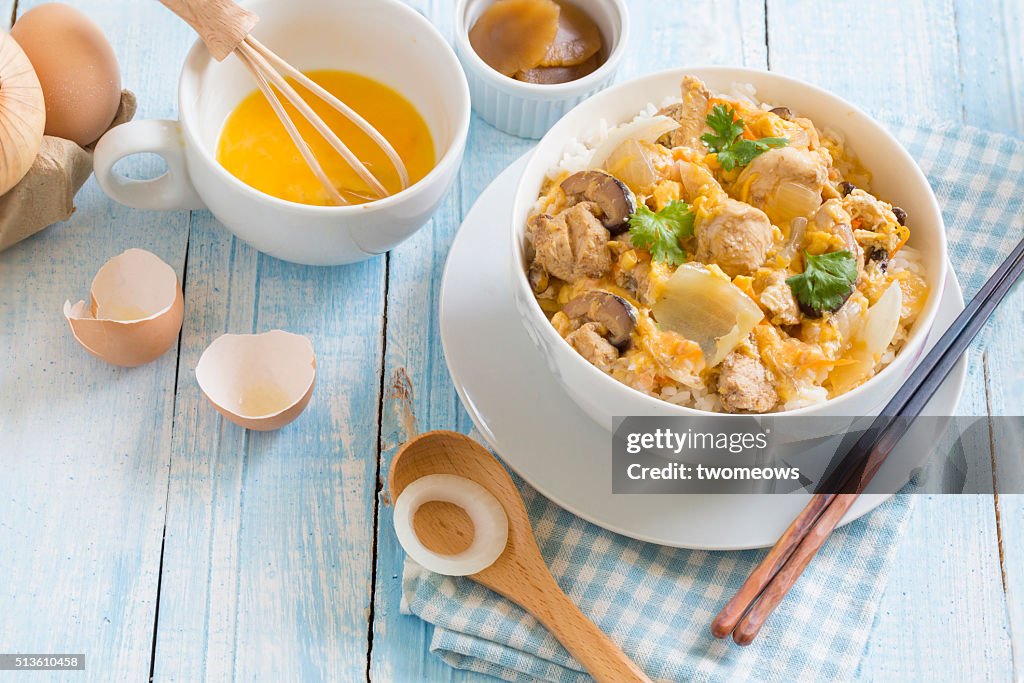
138, 527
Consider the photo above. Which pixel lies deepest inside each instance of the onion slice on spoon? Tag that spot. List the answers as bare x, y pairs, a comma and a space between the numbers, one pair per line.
490, 524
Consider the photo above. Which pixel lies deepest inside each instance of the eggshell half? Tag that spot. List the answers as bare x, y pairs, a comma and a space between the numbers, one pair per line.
258, 381
135, 312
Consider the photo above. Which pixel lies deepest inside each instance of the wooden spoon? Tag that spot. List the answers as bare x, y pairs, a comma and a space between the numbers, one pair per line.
519, 574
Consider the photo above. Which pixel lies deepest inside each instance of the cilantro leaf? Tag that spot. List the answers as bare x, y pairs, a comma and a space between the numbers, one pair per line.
826, 283
742, 152
722, 120
730, 148
660, 233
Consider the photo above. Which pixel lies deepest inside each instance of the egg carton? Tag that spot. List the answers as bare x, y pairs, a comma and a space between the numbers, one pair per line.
46, 195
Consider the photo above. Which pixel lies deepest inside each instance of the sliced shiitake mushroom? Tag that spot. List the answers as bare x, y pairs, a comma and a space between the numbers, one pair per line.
539, 278
513, 35
879, 256
901, 215
613, 312
578, 39
551, 75
611, 195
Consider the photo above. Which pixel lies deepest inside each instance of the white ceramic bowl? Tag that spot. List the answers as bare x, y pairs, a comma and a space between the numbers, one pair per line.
529, 109
383, 39
896, 178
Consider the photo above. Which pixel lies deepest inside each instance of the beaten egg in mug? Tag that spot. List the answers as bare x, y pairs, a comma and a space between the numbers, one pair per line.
255, 147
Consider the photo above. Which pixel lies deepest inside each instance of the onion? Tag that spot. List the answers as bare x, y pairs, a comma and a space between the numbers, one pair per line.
22, 114
849, 319
707, 309
795, 242
647, 130
631, 163
798, 136
789, 201
870, 341
490, 524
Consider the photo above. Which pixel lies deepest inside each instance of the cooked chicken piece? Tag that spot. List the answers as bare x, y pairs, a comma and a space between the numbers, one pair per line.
833, 219
589, 239
878, 222
549, 237
737, 237
643, 280
876, 245
571, 245
590, 343
784, 183
873, 212
777, 298
745, 386
691, 115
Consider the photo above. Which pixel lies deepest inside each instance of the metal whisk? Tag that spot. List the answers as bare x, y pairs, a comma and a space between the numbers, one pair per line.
225, 29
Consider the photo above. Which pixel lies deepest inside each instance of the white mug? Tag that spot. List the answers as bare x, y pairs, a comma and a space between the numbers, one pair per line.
382, 39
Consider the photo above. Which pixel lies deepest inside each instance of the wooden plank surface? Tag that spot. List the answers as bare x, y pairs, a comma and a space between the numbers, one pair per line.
84, 447
267, 560
930, 623
417, 383
267, 556
994, 99
417, 388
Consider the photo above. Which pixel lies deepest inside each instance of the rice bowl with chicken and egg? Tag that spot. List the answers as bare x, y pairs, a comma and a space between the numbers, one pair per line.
723, 254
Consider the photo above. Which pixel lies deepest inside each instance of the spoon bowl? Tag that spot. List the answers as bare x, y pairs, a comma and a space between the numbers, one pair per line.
519, 574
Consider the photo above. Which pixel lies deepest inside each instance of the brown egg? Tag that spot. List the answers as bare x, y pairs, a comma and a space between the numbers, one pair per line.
76, 67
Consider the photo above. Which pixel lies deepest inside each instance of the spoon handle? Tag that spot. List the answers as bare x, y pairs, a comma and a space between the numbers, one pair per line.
598, 654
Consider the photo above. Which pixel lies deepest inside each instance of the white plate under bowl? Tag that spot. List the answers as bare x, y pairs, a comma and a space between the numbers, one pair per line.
540, 433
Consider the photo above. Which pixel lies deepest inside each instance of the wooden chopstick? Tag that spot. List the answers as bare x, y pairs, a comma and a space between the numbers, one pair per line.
726, 621
768, 584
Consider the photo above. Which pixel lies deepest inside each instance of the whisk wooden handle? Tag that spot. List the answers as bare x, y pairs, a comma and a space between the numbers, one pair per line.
221, 24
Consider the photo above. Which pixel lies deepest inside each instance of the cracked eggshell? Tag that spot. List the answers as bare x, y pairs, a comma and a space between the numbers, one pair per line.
135, 311
258, 381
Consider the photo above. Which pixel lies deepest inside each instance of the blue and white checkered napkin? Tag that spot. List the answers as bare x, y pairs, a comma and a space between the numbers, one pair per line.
657, 602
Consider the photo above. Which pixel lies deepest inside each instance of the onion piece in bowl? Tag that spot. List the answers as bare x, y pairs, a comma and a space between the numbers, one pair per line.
633, 164
870, 341
789, 201
647, 130
706, 308
791, 248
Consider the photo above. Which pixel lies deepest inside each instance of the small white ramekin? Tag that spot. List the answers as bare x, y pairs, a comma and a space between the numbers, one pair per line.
528, 110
